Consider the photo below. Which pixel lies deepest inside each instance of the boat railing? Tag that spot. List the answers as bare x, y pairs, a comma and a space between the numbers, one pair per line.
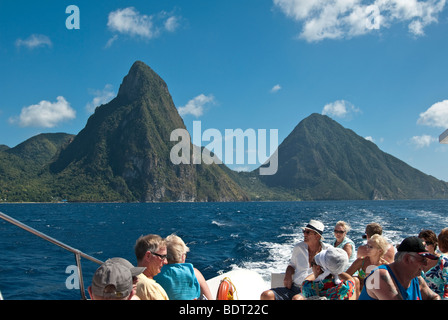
444, 137
78, 254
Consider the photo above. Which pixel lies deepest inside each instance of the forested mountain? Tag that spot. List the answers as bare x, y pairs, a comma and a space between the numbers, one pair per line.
123, 154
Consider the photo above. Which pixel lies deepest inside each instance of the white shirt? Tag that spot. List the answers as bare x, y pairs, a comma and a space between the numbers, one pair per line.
299, 261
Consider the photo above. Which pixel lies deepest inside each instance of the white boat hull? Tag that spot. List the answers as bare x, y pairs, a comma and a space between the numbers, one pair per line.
249, 284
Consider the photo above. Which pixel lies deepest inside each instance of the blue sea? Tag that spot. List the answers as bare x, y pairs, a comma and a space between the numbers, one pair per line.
221, 236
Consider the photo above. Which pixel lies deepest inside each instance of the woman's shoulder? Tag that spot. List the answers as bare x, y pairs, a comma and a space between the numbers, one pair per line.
359, 260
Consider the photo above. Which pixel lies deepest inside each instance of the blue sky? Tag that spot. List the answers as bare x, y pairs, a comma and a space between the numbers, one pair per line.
377, 67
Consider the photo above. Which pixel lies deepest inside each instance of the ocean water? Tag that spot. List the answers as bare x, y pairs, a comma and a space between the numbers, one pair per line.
221, 236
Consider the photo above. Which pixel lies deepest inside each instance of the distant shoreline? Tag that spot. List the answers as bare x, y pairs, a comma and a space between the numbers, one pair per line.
254, 201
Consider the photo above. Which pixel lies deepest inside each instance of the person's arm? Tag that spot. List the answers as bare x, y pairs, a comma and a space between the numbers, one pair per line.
427, 293
445, 279
349, 249
386, 289
205, 290
355, 266
344, 276
287, 281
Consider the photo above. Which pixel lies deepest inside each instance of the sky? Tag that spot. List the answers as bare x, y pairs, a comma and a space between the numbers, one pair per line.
378, 67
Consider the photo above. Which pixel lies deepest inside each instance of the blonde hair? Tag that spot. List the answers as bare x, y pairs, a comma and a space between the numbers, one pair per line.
344, 225
381, 244
176, 249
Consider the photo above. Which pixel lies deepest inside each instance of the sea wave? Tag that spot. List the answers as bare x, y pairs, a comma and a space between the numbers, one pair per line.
222, 236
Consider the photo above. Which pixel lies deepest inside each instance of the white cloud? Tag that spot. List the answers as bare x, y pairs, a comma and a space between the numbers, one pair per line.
34, 41
100, 97
196, 105
276, 88
111, 41
129, 21
416, 27
172, 23
340, 109
422, 141
374, 140
45, 114
336, 19
435, 116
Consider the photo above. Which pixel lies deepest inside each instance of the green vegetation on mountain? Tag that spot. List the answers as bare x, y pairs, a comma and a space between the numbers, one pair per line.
21, 167
123, 154
320, 159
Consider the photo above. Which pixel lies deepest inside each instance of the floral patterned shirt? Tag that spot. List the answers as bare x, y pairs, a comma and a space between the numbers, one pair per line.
437, 277
327, 288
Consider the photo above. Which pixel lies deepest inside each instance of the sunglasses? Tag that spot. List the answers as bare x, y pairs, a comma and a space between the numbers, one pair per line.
339, 231
161, 256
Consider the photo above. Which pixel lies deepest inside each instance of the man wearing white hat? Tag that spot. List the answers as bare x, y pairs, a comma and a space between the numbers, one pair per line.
300, 264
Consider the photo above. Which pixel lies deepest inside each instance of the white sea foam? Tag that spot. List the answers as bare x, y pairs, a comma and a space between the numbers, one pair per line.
279, 256
219, 224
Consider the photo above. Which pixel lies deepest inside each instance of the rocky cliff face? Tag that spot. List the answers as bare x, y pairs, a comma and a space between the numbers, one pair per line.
320, 159
126, 144
123, 154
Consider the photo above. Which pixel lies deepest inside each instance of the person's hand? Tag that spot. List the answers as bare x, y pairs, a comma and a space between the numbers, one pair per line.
287, 282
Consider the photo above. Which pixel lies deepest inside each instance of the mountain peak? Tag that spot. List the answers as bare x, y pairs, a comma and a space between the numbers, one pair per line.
123, 152
140, 81
322, 160
317, 119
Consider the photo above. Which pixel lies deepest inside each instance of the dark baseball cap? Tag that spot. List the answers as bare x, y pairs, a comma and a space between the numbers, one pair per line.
415, 244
